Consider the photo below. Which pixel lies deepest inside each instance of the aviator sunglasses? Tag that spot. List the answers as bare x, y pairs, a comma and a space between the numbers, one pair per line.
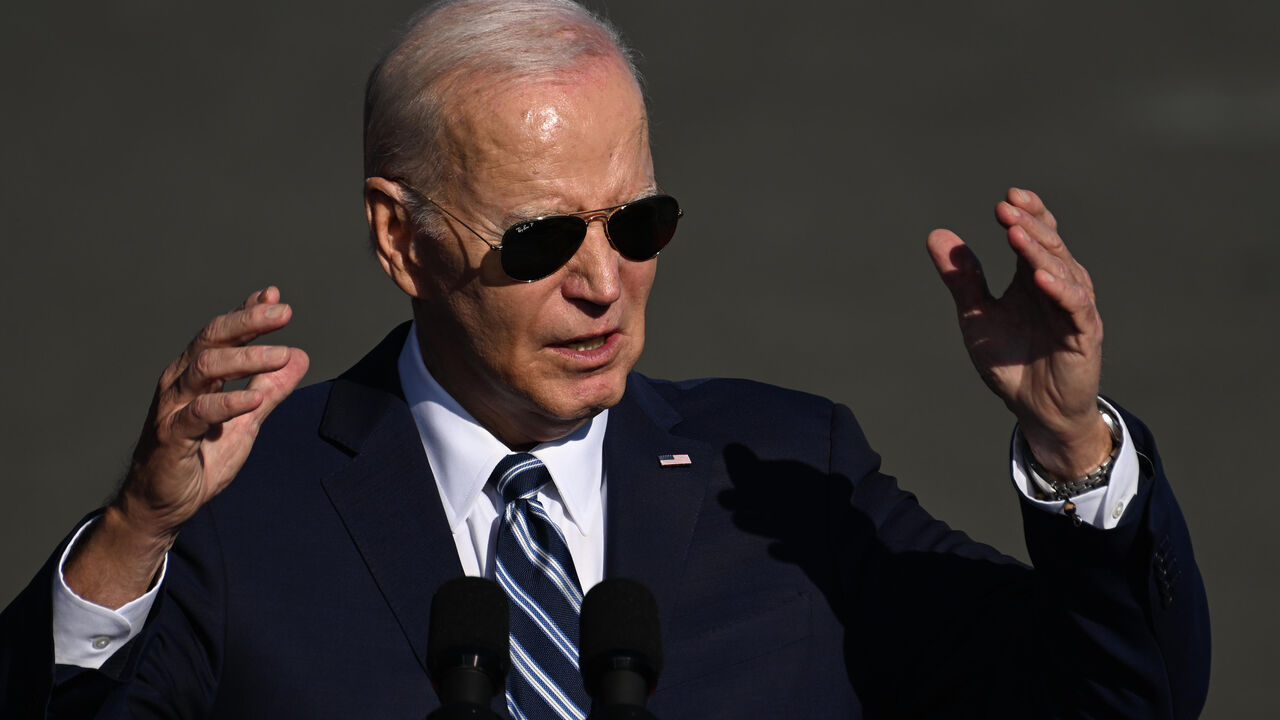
533, 249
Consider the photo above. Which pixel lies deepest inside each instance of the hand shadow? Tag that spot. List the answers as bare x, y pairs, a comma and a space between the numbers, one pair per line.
934, 623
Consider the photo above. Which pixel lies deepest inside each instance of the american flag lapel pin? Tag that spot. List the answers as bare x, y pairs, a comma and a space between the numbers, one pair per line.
674, 460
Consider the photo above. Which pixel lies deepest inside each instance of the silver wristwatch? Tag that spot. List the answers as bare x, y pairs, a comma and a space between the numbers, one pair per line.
1050, 488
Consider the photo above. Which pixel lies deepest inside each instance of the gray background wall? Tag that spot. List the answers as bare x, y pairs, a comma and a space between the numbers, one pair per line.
161, 162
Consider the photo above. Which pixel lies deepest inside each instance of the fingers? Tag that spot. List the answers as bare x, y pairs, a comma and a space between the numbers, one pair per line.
1032, 232
1031, 203
215, 366
260, 313
194, 403
1039, 257
276, 385
1073, 297
1011, 216
197, 434
266, 390
1063, 282
208, 411
959, 269
188, 398
269, 294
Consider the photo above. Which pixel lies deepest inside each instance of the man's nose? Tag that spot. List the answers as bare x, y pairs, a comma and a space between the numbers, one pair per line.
594, 271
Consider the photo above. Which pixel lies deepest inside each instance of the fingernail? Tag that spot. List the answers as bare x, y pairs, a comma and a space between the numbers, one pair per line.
1022, 194
275, 311
277, 354
1016, 212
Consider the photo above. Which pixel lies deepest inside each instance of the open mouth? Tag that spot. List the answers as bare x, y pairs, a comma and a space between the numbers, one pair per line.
587, 344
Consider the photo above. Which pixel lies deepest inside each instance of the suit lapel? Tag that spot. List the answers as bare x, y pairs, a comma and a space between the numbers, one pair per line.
389, 503
652, 509
386, 495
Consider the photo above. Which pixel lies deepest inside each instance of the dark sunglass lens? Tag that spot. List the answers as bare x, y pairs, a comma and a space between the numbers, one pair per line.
534, 249
641, 229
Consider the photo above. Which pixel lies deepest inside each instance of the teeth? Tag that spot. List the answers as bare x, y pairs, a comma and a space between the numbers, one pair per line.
586, 345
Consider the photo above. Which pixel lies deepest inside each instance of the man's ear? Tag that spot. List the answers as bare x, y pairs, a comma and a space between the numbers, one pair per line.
393, 232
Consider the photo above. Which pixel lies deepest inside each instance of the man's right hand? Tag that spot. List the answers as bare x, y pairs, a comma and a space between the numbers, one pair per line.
195, 440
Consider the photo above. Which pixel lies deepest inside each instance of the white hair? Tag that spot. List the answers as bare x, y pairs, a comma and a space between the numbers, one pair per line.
413, 92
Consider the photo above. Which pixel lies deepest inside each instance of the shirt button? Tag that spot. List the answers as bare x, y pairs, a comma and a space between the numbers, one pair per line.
1119, 509
101, 642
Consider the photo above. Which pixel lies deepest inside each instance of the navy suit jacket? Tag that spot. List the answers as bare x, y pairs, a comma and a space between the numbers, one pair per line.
794, 579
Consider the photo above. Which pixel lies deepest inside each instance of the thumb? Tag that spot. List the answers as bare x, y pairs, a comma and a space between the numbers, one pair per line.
959, 268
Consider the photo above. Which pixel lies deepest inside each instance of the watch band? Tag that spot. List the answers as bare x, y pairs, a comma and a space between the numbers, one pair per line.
1050, 488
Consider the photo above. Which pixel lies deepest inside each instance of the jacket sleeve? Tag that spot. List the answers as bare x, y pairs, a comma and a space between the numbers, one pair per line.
168, 670
1108, 623
26, 646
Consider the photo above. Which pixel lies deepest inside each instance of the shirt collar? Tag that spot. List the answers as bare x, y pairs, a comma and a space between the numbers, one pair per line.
462, 453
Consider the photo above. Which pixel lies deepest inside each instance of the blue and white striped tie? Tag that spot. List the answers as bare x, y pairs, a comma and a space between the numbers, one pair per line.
536, 571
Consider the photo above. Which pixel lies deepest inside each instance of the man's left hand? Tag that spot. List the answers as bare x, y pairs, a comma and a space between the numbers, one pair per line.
1039, 345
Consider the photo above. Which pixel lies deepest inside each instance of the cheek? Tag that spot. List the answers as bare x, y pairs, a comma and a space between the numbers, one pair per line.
437, 259
638, 279
453, 282
503, 325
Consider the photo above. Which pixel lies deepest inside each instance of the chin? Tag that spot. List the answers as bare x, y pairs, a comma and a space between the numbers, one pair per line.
587, 397
598, 399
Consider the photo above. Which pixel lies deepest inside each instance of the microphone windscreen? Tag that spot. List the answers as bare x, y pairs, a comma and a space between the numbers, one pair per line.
469, 616
619, 623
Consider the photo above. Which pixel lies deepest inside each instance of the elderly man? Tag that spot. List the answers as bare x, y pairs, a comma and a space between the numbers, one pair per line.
511, 195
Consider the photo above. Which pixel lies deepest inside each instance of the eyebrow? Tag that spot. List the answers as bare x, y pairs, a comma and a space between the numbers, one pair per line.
521, 214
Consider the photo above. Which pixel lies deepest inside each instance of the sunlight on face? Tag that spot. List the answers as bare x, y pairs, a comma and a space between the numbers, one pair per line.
532, 361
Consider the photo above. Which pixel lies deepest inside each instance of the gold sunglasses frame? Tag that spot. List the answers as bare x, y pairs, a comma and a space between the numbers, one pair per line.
589, 216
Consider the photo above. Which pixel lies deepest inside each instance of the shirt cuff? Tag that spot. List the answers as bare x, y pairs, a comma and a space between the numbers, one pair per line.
85, 634
1101, 507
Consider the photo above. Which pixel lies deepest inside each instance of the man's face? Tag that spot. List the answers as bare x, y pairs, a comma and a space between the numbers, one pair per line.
532, 361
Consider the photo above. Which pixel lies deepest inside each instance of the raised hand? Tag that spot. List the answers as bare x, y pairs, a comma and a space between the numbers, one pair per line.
1039, 345
196, 438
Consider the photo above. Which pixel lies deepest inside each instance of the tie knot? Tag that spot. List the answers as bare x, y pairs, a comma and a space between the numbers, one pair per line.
519, 475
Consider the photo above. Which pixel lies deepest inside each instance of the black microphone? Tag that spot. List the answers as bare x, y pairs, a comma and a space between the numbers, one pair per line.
620, 651
467, 647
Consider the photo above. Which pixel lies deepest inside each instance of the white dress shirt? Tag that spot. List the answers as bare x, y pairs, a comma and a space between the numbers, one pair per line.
1101, 507
462, 454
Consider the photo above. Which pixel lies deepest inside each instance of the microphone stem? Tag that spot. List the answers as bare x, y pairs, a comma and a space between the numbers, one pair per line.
622, 687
